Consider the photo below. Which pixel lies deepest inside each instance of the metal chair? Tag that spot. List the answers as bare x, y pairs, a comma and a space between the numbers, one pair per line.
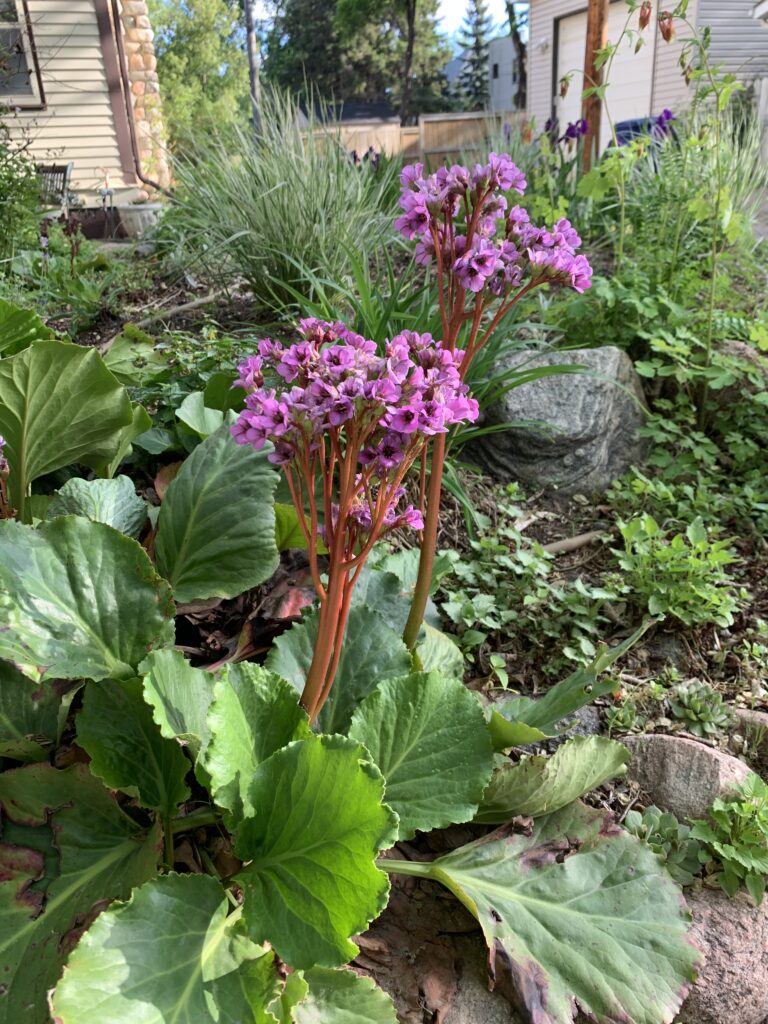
54, 182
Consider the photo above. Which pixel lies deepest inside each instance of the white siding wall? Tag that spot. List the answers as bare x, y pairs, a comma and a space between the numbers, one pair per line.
77, 123
669, 89
739, 41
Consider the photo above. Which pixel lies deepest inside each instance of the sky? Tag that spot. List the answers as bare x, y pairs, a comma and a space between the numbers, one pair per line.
452, 13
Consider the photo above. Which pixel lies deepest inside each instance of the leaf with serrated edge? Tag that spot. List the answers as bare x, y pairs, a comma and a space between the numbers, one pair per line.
116, 729
581, 913
99, 855
371, 651
541, 785
216, 531
58, 404
427, 735
253, 714
173, 953
436, 650
343, 997
113, 502
28, 716
180, 696
312, 881
78, 599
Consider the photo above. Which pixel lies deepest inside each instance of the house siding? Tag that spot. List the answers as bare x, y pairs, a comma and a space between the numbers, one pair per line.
739, 41
78, 122
669, 89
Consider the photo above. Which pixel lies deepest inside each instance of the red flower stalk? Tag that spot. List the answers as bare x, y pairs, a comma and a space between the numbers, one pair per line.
486, 259
345, 433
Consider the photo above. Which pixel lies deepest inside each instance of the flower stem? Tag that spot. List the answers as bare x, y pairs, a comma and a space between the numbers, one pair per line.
428, 546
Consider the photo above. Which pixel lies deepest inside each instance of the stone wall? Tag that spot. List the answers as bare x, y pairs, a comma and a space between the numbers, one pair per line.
145, 90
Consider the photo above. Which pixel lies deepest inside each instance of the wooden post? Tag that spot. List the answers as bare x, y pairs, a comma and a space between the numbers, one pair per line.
591, 107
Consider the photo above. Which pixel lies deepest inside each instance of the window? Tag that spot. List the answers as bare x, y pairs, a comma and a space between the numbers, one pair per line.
495, 71
20, 84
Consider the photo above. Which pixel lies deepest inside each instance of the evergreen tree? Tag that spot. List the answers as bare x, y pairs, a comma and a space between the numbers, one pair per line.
201, 64
304, 52
474, 39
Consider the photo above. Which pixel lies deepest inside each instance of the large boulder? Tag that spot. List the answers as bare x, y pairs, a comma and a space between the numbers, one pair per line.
572, 432
732, 987
681, 775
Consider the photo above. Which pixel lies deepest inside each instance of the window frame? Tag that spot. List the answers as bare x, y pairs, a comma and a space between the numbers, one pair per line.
35, 100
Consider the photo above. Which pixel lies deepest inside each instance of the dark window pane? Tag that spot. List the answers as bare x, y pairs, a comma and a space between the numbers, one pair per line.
15, 77
495, 70
8, 11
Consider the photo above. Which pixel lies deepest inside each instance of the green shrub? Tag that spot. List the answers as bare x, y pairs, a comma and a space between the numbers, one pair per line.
19, 197
736, 839
672, 842
682, 575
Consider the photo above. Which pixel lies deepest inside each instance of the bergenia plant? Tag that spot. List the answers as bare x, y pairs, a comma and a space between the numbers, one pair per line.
486, 257
346, 425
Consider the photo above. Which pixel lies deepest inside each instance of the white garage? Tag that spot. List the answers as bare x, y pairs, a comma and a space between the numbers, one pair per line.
631, 76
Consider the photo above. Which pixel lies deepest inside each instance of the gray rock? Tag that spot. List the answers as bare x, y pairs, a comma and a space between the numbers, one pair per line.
753, 726
585, 432
682, 775
474, 1003
732, 987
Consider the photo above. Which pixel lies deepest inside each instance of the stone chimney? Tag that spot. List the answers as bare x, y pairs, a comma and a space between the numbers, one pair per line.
145, 90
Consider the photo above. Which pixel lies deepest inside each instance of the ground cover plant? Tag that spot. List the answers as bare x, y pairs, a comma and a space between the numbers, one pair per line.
271, 651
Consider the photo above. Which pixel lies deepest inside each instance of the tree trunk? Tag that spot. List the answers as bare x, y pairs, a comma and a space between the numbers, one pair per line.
405, 101
591, 107
518, 44
253, 64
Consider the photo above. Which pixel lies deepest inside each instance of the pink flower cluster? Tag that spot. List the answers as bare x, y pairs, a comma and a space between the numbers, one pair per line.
3, 460
333, 388
465, 214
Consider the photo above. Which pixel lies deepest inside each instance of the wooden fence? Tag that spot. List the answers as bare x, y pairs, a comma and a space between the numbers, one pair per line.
435, 138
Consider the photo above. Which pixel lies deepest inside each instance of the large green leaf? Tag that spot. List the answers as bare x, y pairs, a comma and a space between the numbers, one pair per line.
436, 650
115, 727
133, 358
79, 599
114, 502
253, 714
541, 785
58, 404
140, 423
216, 531
173, 953
28, 716
180, 696
523, 720
427, 734
371, 652
343, 997
581, 913
19, 327
312, 881
195, 414
66, 849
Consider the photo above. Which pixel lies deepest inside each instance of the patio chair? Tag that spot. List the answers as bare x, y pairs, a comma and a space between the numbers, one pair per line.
54, 186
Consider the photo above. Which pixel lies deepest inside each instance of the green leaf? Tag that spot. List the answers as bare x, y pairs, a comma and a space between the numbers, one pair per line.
253, 714
312, 881
116, 729
427, 734
19, 327
512, 734
288, 531
371, 651
541, 785
133, 359
180, 696
343, 997
582, 912
79, 599
58, 404
170, 954
140, 422
438, 651
201, 420
563, 699
70, 849
216, 531
29, 716
113, 502
219, 393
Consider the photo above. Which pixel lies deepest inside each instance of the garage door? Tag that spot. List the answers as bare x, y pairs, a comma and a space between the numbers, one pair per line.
629, 95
